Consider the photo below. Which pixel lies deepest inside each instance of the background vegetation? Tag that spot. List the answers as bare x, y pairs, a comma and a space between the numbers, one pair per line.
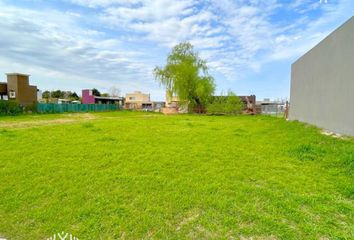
9, 108
229, 104
60, 94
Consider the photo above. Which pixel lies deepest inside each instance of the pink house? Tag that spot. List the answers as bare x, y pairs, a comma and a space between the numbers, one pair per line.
88, 97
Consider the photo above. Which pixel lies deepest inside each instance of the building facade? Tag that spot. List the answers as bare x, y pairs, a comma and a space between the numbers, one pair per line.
17, 89
322, 83
138, 101
268, 107
89, 98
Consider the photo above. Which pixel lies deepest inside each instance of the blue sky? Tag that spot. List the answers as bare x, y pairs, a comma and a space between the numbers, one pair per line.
76, 44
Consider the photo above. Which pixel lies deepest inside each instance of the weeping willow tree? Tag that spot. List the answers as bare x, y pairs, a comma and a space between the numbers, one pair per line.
186, 76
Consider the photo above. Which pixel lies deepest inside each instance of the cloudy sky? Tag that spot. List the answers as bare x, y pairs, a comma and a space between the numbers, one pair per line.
249, 44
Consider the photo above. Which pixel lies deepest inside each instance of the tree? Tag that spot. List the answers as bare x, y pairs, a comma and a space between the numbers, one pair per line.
60, 94
234, 105
230, 104
57, 94
74, 96
46, 94
186, 76
96, 93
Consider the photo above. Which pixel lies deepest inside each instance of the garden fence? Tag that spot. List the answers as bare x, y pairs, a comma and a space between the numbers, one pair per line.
60, 108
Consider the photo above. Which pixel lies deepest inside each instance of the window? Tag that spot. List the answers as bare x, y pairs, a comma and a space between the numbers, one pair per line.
131, 98
12, 94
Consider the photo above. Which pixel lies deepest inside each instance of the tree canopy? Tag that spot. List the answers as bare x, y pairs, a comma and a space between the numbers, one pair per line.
60, 94
96, 93
186, 76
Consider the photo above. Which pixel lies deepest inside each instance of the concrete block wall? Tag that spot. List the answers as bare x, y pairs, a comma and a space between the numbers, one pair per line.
322, 83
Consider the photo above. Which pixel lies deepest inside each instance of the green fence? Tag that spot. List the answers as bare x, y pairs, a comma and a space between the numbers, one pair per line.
60, 108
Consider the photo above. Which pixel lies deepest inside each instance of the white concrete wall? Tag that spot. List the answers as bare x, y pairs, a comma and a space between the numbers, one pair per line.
322, 83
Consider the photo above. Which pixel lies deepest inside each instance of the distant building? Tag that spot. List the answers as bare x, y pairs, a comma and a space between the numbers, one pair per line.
138, 101
271, 107
172, 101
89, 98
17, 89
39, 95
158, 106
173, 105
63, 101
322, 83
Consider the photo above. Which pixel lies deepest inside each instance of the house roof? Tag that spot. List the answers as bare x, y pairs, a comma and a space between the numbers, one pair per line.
108, 98
20, 74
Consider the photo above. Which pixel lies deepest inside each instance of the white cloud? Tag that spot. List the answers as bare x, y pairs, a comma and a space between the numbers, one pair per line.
120, 41
53, 41
102, 3
306, 33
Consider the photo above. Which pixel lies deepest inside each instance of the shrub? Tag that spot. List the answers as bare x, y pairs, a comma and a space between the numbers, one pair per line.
230, 104
32, 108
9, 108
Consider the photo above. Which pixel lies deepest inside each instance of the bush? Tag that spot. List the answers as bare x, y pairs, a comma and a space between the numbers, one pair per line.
230, 104
9, 108
32, 108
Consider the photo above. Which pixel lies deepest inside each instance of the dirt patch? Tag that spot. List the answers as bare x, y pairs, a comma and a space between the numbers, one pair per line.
67, 118
191, 217
258, 238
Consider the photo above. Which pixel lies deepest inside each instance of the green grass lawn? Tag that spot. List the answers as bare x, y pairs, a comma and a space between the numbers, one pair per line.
124, 175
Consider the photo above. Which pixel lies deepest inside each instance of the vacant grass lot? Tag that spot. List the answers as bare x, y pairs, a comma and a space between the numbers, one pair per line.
128, 175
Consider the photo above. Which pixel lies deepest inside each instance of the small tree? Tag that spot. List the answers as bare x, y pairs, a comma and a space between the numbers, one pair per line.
234, 105
96, 93
186, 76
46, 94
74, 96
230, 104
57, 94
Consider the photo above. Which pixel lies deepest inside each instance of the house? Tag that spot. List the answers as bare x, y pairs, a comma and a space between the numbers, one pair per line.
89, 98
63, 101
3, 91
271, 107
173, 105
158, 106
138, 101
17, 88
322, 83
171, 101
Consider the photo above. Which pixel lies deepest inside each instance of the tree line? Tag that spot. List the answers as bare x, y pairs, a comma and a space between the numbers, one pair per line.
113, 92
60, 94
